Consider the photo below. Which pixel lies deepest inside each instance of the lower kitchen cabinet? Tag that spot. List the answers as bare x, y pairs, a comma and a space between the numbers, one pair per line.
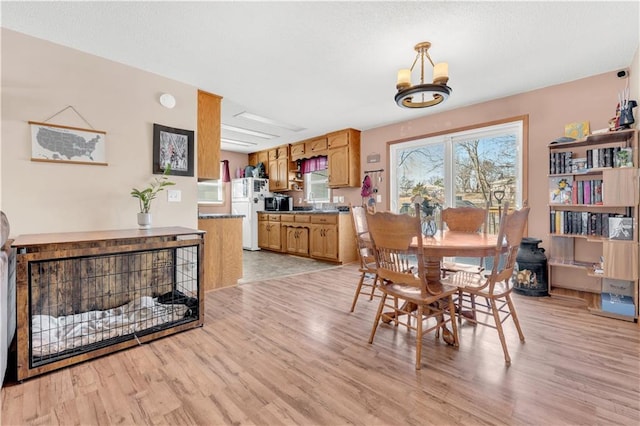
324, 241
298, 241
269, 229
321, 236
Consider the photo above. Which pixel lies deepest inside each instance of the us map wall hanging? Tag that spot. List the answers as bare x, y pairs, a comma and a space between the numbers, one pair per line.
64, 144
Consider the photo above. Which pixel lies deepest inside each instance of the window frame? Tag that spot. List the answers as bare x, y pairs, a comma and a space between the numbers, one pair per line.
518, 125
213, 182
307, 187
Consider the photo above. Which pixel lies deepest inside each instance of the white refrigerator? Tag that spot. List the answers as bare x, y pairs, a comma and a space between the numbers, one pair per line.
247, 199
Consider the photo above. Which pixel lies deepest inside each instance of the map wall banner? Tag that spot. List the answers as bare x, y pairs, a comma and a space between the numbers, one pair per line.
64, 144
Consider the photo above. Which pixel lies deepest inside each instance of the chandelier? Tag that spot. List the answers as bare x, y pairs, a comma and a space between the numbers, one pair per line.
423, 95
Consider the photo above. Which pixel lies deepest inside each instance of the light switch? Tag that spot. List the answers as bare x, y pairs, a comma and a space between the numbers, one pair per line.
378, 198
174, 195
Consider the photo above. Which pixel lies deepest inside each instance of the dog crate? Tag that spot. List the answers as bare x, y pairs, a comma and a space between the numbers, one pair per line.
84, 295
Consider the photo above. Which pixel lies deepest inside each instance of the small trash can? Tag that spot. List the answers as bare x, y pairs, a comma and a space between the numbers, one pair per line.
530, 272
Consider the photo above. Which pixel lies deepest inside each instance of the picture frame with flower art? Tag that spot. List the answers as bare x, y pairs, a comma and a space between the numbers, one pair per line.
560, 189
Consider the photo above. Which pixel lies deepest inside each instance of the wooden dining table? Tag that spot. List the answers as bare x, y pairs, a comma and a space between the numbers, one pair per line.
454, 244
450, 244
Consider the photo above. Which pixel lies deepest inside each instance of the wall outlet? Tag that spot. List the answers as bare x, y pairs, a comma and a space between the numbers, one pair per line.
341, 199
174, 195
336, 199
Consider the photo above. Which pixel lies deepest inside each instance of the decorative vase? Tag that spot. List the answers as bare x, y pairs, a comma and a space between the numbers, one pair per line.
429, 226
144, 220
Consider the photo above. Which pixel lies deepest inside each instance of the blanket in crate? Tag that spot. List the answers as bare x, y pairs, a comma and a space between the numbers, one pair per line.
50, 335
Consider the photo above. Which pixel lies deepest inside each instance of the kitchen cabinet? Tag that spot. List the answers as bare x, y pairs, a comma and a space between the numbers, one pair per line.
208, 135
298, 240
297, 151
315, 147
269, 232
296, 233
324, 237
344, 158
252, 159
259, 157
279, 169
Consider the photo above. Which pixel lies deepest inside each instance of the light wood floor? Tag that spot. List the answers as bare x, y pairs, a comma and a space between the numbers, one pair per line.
287, 351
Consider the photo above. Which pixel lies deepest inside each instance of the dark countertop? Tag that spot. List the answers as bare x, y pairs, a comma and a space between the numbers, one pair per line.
306, 212
219, 216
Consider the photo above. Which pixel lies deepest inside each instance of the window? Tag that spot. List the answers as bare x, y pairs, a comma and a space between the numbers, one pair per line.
210, 192
316, 186
468, 168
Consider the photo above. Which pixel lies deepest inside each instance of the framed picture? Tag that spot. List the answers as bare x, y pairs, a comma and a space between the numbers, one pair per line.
64, 144
175, 147
577, 130
620, 228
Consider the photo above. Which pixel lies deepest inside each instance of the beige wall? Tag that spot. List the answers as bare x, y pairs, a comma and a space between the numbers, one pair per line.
548, 110
48, 197
38, 80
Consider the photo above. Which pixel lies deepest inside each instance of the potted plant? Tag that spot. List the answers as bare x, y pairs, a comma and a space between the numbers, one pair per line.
148, 194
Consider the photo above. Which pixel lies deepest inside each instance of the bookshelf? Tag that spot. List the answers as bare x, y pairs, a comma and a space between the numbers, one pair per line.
593, 222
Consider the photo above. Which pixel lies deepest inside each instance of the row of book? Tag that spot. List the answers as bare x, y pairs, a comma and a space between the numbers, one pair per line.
608, 225
587, 192
564, 190
566, 162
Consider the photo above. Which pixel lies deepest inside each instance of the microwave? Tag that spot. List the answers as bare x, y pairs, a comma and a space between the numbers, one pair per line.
278, 204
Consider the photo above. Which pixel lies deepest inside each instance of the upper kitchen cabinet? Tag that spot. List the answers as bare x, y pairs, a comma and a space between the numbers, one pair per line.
259, 157
297, 151
208, 135
279, 168
344, 158
315, 147
253, 159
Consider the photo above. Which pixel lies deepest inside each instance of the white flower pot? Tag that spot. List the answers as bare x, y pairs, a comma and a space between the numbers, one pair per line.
144, 220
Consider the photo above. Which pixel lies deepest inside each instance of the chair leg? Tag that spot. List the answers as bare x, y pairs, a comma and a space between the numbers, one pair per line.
496, 317
454, 324
355, 296
419, 337
514, 315
373, 286
378, 314
396, 313
473, 307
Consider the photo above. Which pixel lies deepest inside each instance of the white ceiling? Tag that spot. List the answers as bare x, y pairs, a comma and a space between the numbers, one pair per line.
326, 66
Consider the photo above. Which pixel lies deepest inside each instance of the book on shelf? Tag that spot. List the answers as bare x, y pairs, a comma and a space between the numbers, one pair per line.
566, 222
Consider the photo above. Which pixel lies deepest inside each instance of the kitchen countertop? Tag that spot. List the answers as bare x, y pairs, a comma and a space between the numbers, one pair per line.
219, 216
305, 212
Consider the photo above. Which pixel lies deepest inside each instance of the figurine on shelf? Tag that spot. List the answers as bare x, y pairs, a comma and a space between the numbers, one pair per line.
626, 114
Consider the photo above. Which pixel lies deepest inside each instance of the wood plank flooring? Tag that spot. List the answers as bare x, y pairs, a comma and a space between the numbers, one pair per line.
287, 351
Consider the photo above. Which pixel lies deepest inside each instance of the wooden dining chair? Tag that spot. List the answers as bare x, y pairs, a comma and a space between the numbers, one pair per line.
367, 269
464, 219
497, 286
398, 250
